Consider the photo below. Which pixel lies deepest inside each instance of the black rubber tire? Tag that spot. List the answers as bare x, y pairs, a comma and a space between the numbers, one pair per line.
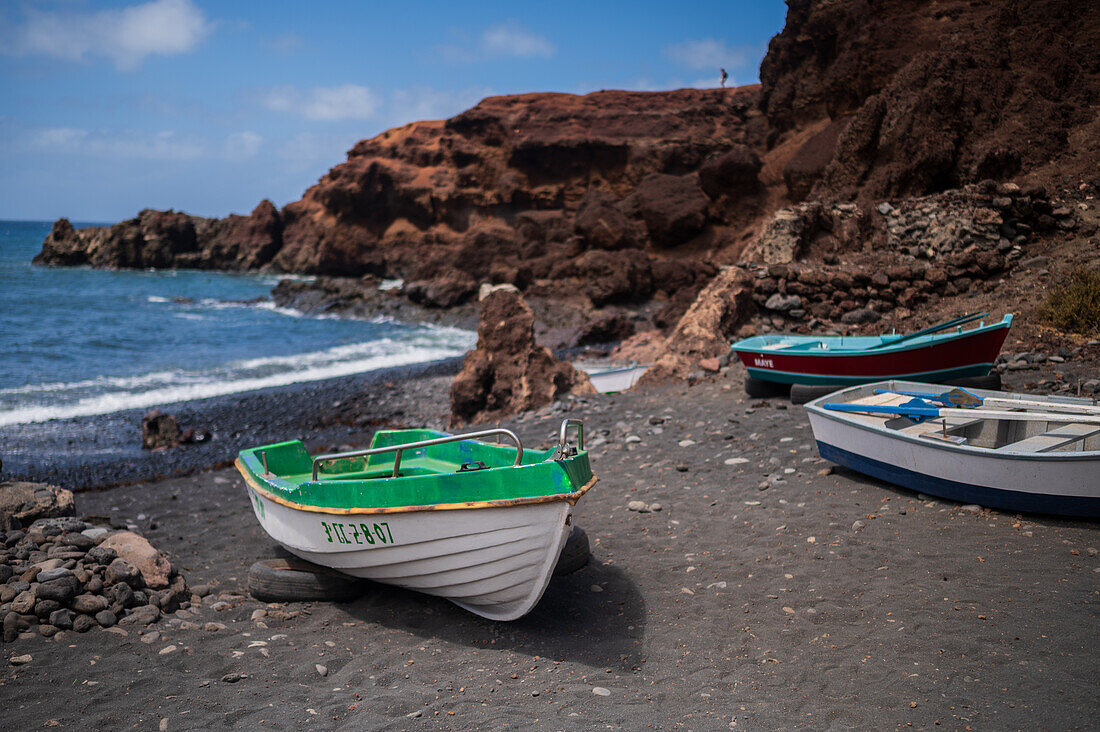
296, 580
991, 382
575, 554
802, 393
760, 389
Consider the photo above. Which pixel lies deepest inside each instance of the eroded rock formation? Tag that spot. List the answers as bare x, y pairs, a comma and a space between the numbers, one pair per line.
508, 372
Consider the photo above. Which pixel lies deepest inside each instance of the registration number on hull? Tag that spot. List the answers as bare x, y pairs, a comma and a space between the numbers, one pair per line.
357, 533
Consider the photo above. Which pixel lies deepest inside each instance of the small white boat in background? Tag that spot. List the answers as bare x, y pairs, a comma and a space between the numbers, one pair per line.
608, 378
1018, 452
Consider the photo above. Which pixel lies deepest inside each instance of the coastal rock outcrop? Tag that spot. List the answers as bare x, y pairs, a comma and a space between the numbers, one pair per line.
918, 138
558, 190
508, 372
169, 239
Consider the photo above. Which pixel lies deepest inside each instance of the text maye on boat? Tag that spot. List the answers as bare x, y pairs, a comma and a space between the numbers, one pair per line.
1019, 452
480, 524
926, 355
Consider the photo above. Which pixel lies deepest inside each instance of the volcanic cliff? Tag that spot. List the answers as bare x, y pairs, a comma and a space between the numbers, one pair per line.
621, 197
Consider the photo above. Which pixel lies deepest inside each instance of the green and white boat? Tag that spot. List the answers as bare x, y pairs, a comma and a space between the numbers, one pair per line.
477, 523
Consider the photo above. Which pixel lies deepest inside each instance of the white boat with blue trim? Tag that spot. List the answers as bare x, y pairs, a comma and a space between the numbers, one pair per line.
1018, 452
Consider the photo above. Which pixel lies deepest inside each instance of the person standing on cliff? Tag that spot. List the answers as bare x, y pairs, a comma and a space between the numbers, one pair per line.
724, 77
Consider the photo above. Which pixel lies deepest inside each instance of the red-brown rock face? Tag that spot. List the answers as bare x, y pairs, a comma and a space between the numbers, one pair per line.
623, 196
508, 372
527, 184
926, 96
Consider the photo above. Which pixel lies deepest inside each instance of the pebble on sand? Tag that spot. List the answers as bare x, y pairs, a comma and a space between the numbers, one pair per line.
21, 660
601, 691
735, 461
322, 670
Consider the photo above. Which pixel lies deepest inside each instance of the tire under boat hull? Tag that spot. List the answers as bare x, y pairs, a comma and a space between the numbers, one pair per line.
1040, 484
494, 562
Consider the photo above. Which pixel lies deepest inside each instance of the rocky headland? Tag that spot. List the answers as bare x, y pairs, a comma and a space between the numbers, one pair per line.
892, 161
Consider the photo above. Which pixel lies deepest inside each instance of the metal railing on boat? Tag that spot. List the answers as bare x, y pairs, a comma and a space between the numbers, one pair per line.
317, 461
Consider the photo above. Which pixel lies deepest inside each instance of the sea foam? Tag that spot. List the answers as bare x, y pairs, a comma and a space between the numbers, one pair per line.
103, 395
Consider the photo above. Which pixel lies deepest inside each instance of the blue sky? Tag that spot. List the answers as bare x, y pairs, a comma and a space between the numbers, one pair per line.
207, 107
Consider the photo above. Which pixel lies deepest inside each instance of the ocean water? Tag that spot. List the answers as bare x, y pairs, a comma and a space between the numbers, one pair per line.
78, 341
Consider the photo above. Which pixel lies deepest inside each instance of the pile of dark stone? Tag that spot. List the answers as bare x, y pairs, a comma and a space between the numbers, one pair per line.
986, 217
944, 244
56, 575
855, 295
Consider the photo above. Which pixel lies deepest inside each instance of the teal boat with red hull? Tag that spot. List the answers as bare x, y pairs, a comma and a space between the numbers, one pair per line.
927, 355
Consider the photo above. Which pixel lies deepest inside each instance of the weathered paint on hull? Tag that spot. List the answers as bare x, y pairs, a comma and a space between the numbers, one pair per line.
948, 358
930, 377
494, 562
1058, 482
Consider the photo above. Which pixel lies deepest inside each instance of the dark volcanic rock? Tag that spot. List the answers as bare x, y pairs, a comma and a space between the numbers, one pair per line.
938, 95
21, 504
508, 372
602, 224
673, 207
607, 328
159, 430
732, 173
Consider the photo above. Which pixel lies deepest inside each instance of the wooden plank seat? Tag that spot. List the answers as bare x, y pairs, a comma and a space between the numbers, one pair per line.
933, 429
1053, 439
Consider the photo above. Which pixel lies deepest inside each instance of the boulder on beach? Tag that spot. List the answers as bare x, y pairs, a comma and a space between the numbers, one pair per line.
154, 568
23, 503
160, 431
508, 372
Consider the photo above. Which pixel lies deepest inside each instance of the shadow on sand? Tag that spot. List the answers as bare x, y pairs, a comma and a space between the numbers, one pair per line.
571, 622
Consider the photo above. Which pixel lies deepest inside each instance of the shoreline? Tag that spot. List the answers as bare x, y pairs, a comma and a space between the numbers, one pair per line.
101, 451
771, 590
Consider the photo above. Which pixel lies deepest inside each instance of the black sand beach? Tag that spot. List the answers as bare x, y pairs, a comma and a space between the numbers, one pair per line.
771, 593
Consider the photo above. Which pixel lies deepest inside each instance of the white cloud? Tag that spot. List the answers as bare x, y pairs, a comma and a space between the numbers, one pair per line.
707, 53
164, 145
242, 145
510, 39
422, 103
126, 36
307, 147
285, 44
347, 101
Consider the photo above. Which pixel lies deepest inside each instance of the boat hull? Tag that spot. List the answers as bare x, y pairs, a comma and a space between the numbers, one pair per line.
1065, 483
611, 381
944, 358
492, 561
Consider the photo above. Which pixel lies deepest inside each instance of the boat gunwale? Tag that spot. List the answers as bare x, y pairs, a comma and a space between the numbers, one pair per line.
899, 347
571, 498
815, 408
